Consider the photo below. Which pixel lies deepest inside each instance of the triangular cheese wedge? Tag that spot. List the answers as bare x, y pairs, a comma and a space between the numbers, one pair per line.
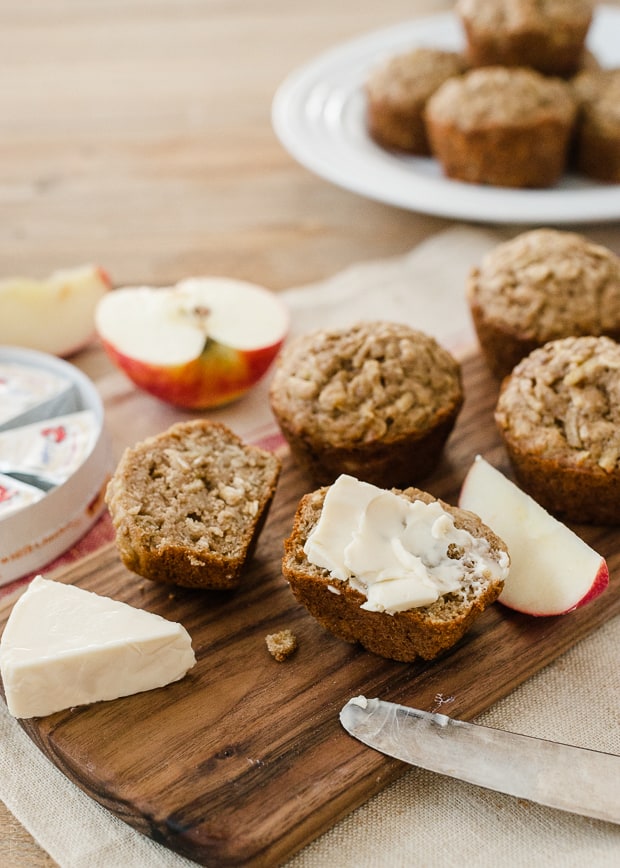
63, 646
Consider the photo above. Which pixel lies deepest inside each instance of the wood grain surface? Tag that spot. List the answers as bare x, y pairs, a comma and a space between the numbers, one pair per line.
244, 761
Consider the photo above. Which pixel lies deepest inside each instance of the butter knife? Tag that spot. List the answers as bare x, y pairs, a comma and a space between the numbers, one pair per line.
573, 779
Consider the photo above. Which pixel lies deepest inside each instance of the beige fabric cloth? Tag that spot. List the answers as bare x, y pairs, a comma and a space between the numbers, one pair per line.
423, 819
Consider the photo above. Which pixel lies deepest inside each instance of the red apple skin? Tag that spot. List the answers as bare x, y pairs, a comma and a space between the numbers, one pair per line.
600, 583
104, 276
218, 376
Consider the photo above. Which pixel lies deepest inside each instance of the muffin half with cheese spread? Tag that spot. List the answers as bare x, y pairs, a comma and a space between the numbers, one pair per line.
400, 572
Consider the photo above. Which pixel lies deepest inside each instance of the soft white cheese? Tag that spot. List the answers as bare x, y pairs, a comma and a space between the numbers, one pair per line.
343, 506
63, 646
395, 551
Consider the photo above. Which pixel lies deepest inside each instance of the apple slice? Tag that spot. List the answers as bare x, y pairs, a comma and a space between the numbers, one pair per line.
199, 344
56, 315
552, 570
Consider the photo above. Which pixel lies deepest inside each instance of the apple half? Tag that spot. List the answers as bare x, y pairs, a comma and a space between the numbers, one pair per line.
201, 343
552, 570
55, 315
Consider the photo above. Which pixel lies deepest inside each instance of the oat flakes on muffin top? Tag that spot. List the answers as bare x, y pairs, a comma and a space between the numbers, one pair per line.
563, 402
598, 97
597, 147
547, 35
516, 15
397, 92
498, 96
547, 283
372, 381
408, 79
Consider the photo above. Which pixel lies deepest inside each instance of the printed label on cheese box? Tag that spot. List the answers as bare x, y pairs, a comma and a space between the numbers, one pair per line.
48, 452
28, 393
15, 495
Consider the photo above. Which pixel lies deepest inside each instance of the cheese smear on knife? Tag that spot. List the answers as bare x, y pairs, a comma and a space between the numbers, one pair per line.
63, 646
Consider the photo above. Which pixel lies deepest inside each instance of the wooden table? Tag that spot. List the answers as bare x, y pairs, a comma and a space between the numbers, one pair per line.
137, 134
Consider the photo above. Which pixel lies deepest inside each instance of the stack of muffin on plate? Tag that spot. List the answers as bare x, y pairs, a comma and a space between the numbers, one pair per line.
525, 101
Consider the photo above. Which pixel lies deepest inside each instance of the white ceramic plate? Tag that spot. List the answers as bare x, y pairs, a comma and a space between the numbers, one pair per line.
318, 114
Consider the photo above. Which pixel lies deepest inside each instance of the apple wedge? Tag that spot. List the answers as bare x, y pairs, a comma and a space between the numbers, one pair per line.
552, 571
55, 315
199, 344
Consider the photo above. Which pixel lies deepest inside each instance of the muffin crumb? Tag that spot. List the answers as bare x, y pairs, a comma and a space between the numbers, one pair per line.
281, 644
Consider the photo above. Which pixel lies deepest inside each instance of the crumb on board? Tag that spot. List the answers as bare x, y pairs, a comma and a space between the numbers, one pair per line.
281, 645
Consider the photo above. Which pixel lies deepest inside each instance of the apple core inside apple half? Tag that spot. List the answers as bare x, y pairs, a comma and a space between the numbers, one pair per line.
201, 343
171, 325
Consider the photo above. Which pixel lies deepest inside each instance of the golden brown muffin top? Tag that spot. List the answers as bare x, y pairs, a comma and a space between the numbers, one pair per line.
598, 98
498, 95
518, 15
547, 283
408, 79
372, 381
563, 402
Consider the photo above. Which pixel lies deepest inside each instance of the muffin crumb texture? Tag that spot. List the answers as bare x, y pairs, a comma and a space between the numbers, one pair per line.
187, 504
281, 645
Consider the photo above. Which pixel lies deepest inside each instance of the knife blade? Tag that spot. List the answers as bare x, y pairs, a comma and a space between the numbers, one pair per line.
574, 779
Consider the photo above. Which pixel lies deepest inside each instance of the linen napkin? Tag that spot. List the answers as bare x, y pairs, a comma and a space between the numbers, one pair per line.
423, 819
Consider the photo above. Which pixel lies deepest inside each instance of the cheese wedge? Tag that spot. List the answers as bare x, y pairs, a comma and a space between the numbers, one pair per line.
63, 646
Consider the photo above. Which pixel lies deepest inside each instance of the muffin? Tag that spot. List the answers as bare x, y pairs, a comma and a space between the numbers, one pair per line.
547, 35
397, 91
597, 137
188, 504
377, 400
509, 127
542, 285
460, 568
558, 414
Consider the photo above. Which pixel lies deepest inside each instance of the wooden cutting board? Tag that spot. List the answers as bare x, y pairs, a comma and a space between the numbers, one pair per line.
244, 761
